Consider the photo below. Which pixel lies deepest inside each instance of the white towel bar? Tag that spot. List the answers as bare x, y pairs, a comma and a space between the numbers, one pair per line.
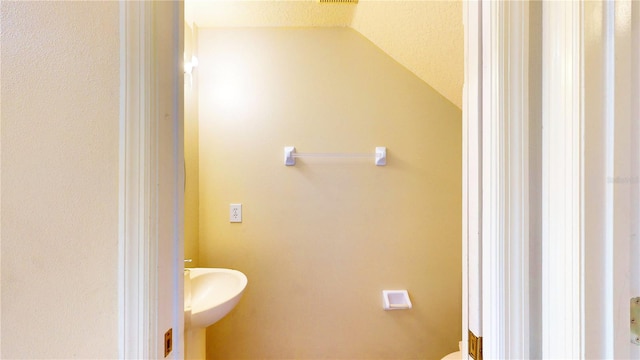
290, 155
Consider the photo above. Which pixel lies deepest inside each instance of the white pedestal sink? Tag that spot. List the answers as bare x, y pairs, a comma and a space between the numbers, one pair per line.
210, 293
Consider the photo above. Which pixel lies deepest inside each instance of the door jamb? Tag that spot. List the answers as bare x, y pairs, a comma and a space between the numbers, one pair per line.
136, 240
496, 188
141, 112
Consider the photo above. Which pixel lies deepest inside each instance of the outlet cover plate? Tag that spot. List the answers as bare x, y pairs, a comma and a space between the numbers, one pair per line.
235, 213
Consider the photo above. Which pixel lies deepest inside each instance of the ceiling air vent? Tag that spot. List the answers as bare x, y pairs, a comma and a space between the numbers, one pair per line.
338, 1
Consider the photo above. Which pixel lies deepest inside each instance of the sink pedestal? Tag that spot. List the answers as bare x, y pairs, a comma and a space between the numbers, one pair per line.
195, 344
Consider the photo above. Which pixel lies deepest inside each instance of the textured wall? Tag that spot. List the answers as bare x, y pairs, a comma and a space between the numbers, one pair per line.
424, 36
321, 240
59, 206
279, 13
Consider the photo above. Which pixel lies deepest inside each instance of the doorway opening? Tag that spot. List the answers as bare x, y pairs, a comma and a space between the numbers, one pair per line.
320, 242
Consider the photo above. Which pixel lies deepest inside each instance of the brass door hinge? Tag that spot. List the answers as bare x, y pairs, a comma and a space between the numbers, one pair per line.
635, 320
475, 346
168, 342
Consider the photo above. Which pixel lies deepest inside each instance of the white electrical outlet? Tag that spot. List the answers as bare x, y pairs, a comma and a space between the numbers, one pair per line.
235, 213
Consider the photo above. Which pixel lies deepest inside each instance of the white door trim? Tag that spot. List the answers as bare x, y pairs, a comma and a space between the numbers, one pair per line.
136, 220
150, 156
505, 179
589, 178
621, 184
471, 175
562, 182
495, 177
611, 161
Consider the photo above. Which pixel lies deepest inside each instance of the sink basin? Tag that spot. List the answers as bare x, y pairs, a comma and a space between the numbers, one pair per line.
213, 293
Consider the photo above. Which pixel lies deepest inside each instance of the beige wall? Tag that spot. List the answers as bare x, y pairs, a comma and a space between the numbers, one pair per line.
321, 240
60, 100
191, 156
425, 36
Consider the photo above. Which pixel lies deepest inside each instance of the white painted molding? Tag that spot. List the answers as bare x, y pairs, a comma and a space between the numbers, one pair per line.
562, 185
590, 187
596, 204
516, 193
495, 178
151, 179
136, 283
611, 156
634, 179
505, 175
620, 191
590, 194
471, 176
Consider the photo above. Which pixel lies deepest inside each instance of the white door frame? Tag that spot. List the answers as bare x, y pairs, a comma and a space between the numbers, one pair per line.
562, 181
505, 179
151, 198
495, 178
590, 137
496, 207
589, 189
136, 242
611, 198
471, 175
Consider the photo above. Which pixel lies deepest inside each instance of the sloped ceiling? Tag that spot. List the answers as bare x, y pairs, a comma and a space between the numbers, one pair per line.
424, 36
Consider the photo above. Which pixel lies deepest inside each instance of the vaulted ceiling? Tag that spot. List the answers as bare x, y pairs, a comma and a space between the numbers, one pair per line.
424, 36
